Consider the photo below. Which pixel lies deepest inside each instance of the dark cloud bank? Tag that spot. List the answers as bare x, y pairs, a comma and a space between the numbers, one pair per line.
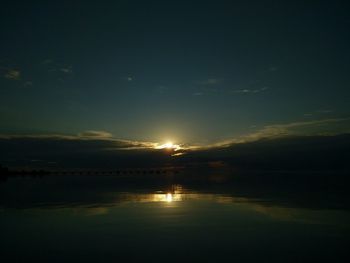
320, 153
287, 153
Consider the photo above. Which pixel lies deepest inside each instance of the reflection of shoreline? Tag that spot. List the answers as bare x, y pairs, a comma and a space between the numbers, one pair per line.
327, 192
187, 200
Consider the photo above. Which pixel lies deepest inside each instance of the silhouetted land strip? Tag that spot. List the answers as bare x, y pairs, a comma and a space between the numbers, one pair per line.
6, 172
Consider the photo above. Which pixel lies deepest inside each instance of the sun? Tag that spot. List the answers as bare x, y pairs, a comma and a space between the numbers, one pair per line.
169, 145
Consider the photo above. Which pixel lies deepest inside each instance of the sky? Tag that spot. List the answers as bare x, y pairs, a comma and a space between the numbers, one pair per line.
193, 72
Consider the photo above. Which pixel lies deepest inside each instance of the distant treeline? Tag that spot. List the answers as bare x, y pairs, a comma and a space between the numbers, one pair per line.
4, 171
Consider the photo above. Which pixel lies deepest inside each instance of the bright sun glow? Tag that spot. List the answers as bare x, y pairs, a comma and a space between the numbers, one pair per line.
169, 197
169, 146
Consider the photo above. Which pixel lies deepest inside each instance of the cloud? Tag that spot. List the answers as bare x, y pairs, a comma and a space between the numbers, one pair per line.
104, 140
273, 147
246, 91
211, 81
277, 153
308, 123
88, 149
325, 111
161, 89
28, 84
95, 134
47, 61
308, 114
13, 74
67, 70
209, 86
318, 112
11, 71
303, 128
53, 66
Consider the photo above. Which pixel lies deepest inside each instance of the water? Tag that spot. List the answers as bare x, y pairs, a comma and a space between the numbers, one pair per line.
104, 219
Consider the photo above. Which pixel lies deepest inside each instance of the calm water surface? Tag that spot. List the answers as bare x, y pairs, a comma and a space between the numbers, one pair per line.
100, 219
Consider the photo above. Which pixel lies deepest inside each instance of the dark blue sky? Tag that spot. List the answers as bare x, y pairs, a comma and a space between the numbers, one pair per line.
189, 71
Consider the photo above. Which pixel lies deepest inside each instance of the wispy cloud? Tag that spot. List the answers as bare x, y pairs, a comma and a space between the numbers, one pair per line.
210, 81
67, 70
28, 84
247, 91
319, 112
308, 114
11, 71
95, 135
91, 135
325, 111
207, 86
161, 89
86, 149
47, 61
302, 128
13, 74
53, 66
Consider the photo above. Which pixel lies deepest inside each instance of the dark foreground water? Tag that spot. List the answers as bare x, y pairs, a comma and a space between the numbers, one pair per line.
105, 219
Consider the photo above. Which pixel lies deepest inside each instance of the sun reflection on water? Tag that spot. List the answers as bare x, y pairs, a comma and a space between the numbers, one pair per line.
169, 197
174, 194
